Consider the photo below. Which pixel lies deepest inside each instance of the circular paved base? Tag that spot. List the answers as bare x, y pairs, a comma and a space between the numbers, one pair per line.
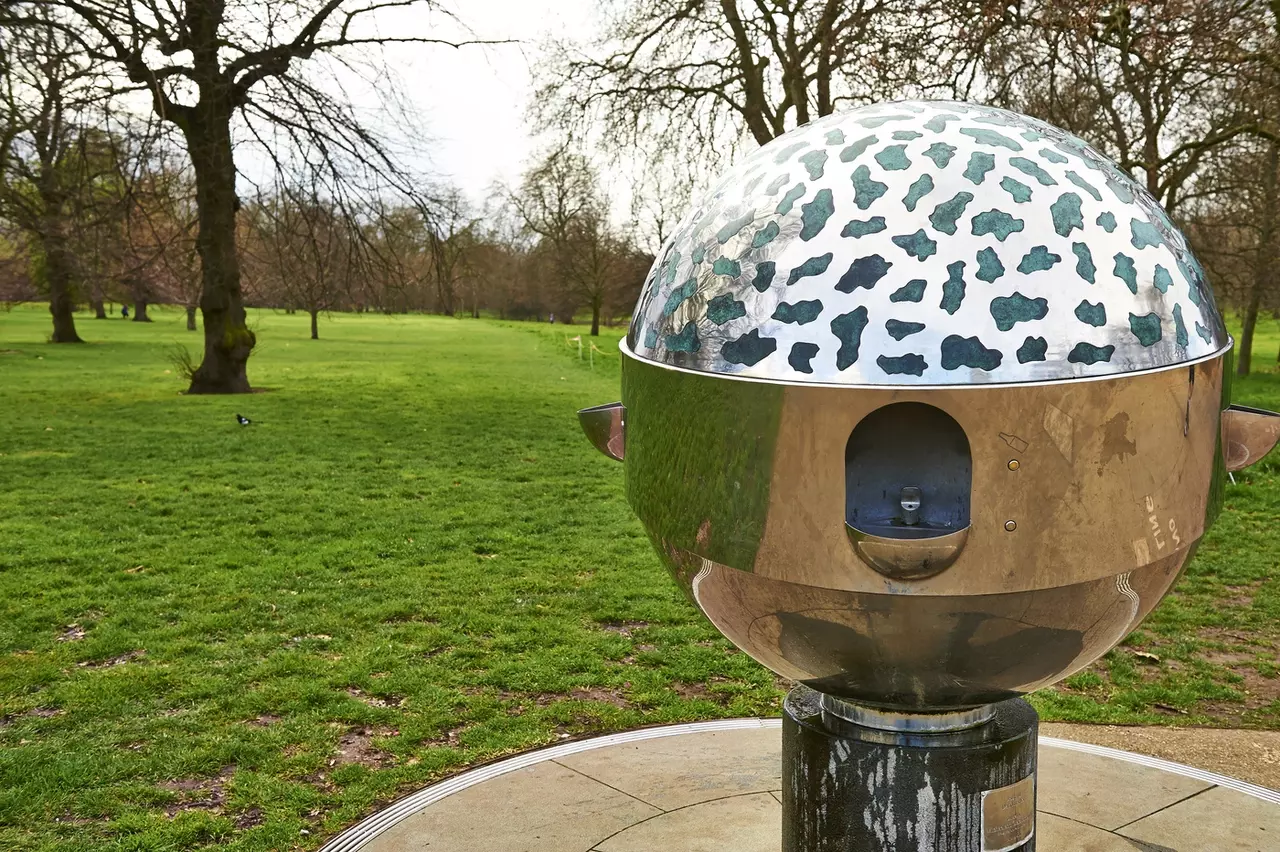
713, 786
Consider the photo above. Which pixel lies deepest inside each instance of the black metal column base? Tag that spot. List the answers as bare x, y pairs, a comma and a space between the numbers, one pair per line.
848, 788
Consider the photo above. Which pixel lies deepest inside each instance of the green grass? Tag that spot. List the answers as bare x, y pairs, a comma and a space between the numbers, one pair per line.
248, 638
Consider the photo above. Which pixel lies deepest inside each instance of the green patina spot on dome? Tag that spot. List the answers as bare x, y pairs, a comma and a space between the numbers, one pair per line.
980, 163
1179, 327
989, 266
765, 270
1087, 353
788, 201
1066, 214
1205, 334
1092, 314
1020, 192
1107, 221
1038, 259
991, 138
799, 313
996, 222
923, 186
786, 152
946, 214
678, 295
906, 135
1085, 185
777, 184
893, 158
765, 235
1052, 155
1032, 169
880, 120
724, 308
686, 340
898, 329
669, 271
861, 227
1163, 280
938, 123
912, 291
815, 163
801, 355
725, 266
1146, 328
1144, 234
848, 330
857, 149
917, 245
815, 214
733, 226
1084, 261
1032, 349
953, 287
910, 364
960, 352
941, 153
812, 266
865, 188
749, 349
1126, 272
863, 272
835, 137
1008, 311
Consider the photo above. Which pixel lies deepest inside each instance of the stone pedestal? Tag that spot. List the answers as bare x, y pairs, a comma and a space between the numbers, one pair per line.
849, 787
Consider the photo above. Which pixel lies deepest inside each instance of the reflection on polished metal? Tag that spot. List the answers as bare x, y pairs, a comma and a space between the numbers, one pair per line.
908, 723
605, 426
908, 557
888, 455
1248, 434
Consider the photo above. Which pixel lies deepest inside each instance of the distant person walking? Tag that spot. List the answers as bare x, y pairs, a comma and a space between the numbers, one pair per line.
552, 319
124, 311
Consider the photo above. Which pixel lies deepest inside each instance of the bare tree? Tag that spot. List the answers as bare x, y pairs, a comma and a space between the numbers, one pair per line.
49, 154
204, 62
560, 203
699, 74
305, 250
451, 236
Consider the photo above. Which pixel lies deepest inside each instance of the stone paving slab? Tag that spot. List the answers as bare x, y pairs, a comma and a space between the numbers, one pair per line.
709, 791
750, 823
1105, 793
676, 771
544, 808
1218, 819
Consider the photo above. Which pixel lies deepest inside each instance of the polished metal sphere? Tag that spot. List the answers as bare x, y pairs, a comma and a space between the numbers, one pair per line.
924, 404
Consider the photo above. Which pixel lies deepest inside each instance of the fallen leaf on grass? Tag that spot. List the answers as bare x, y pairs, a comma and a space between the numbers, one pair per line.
1146, 656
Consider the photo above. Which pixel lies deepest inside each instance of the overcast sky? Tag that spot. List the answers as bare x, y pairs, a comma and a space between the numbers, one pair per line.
473, 100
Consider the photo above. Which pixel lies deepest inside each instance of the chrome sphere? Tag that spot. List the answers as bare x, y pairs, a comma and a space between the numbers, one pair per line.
923, 404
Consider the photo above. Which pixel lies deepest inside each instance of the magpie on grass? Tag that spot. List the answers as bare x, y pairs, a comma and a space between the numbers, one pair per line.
242, 420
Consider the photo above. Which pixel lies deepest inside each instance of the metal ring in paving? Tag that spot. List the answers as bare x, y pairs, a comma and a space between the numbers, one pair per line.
362, 833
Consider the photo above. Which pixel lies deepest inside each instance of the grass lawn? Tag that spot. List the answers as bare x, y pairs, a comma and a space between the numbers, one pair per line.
249, 638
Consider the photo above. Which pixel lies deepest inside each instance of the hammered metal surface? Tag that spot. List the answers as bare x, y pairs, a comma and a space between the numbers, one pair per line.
926, 243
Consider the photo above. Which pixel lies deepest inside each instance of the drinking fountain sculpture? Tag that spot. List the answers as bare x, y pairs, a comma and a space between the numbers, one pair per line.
925, 404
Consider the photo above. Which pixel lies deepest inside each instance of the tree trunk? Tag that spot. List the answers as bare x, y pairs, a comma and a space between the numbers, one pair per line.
58, 272
140, 311
228, 341
1244, 353
595, 320
99, 309
315, 326
1262, 269
191, 318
